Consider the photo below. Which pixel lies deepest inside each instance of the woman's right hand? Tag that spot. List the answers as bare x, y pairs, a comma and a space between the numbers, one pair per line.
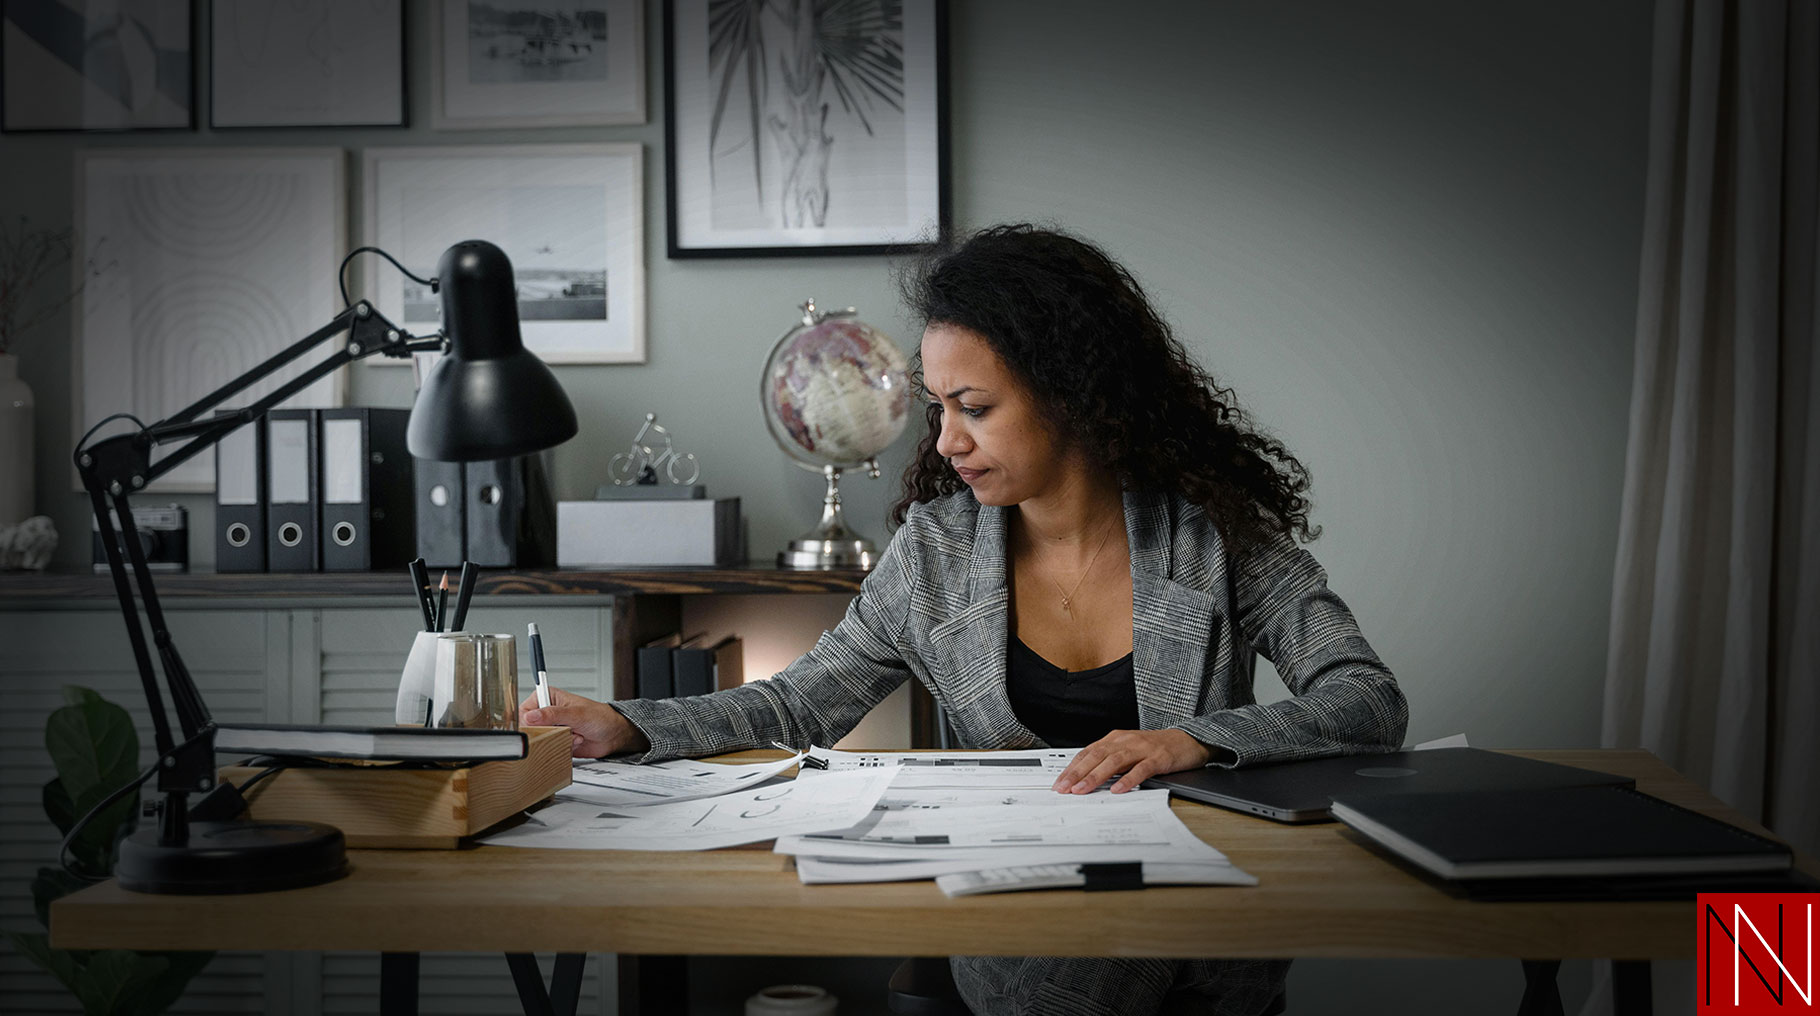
595, 728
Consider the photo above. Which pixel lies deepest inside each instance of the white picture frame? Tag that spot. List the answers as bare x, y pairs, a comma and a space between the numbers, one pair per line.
569, 216
847, 155
485, 76
198, 263
306, 63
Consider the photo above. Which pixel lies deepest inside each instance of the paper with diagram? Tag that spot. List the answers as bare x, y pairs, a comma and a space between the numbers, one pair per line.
623, 783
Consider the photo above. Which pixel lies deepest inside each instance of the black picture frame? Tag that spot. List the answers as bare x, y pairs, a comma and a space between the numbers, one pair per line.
398, 61
54, 16
923, 63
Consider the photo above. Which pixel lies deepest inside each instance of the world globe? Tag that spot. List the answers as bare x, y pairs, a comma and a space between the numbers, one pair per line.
835, 390
835, 393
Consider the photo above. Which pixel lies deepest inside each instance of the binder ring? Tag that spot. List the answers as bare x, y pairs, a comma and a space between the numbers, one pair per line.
238, 534
290, 534
343, 534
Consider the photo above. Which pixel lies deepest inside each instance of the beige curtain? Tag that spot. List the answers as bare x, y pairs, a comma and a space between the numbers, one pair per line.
1714, 655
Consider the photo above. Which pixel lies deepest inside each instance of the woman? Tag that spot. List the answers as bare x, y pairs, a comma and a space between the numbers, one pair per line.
1093, 545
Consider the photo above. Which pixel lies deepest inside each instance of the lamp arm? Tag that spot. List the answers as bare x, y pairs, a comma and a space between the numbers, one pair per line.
115, 468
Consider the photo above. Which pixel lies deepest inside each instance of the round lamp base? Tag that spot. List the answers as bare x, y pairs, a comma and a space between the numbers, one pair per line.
233, 857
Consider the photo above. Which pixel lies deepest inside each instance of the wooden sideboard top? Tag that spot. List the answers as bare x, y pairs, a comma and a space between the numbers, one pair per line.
19, 589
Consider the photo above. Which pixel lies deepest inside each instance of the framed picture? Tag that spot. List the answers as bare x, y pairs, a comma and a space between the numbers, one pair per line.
96, 65
306, 63
198, 263
537, 63
570, 217
794, 129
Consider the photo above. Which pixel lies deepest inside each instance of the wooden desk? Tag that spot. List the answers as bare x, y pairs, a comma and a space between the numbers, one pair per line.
1320, 893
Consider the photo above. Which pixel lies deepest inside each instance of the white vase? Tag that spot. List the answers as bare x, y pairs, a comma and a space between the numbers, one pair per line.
16, 491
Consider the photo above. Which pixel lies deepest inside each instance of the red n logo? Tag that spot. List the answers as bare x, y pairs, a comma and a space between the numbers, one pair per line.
1756, 953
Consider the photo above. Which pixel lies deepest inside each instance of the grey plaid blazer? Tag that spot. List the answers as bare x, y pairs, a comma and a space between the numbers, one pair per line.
937, 609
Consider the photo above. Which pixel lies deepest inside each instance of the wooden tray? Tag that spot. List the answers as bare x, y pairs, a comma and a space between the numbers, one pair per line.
413, 808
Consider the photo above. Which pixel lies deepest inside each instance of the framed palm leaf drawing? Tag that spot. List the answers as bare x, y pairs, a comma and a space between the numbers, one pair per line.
800, 127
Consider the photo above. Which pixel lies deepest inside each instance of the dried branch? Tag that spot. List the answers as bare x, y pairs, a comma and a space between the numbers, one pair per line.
27, 255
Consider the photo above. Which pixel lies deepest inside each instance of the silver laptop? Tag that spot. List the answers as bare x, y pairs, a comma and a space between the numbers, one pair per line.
1302, 791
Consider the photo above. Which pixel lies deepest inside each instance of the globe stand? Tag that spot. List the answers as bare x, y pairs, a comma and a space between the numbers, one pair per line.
831, 544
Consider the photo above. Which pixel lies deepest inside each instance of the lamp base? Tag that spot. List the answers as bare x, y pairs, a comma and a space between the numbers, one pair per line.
233, 857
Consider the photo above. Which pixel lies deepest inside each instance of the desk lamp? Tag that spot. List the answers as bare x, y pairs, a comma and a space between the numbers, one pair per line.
487, 398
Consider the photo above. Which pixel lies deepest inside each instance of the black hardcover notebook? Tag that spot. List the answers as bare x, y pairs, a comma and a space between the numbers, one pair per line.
402, 744
1576, 832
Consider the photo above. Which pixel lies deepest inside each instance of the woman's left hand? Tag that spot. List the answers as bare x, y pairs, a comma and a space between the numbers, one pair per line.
1139, 754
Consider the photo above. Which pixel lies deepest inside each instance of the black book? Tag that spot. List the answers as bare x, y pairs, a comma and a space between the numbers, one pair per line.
652, 672
405, 744
1578, 832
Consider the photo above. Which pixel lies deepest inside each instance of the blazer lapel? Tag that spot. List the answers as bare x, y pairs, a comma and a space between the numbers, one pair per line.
1170, 622
976, 640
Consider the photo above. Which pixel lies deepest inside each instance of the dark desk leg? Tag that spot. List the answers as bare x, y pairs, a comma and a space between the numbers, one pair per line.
398, 984
1541, 995
653, 985
1630, 988
565, 983
529, 981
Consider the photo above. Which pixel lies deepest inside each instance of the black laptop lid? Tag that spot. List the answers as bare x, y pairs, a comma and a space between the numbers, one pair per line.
1302, 791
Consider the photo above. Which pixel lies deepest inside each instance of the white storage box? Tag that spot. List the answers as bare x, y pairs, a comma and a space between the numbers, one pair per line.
623, 534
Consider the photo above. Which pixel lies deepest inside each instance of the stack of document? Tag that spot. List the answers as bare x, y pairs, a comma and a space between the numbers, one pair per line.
974, 821
991, 821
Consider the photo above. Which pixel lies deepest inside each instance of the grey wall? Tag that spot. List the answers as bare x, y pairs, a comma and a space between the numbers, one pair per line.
1405, 231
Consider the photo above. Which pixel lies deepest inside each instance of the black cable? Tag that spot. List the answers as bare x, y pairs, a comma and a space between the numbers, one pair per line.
68, 861
341, 274
104, 422
271, 770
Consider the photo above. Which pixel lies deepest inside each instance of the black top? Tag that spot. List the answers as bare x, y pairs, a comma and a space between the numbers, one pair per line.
1070, 709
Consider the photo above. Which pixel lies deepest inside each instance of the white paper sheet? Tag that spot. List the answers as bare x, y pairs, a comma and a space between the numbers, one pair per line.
622, 783
976, 769
836, 801
1069, 876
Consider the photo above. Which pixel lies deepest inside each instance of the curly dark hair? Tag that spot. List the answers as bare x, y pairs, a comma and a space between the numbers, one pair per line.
1107, 374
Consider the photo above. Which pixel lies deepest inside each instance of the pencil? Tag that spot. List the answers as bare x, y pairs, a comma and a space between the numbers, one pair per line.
442, 604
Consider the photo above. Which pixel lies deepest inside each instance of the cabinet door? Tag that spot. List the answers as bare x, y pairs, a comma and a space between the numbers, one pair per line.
230, 655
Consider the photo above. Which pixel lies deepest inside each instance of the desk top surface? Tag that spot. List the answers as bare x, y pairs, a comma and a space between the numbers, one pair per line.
1321, 892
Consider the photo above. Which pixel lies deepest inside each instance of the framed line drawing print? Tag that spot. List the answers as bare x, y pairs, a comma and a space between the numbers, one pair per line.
96, 65
199, 263
537, 63
570, 217
306, 63
805, 126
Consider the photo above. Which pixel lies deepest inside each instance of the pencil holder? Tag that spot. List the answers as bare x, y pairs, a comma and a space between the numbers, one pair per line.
417, 682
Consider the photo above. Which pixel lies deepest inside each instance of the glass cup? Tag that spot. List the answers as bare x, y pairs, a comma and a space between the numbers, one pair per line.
475, 682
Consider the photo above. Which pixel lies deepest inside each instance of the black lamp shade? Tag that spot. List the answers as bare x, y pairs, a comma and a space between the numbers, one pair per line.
488, 397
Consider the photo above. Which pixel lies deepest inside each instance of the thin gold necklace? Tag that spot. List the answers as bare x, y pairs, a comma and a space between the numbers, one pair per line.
1068, 594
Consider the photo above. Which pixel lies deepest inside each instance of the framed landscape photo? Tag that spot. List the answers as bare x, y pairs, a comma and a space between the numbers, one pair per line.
96, 65
306, 63
570, 218
197, 263
802, 127
537, 63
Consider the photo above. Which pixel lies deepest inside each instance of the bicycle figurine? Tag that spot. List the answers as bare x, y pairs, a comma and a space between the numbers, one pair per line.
639, 463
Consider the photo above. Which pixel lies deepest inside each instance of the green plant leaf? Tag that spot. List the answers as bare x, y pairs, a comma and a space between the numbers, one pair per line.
168, 987
52, 884
56, 962
59, 805
76, 695
111, 980
94, 747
